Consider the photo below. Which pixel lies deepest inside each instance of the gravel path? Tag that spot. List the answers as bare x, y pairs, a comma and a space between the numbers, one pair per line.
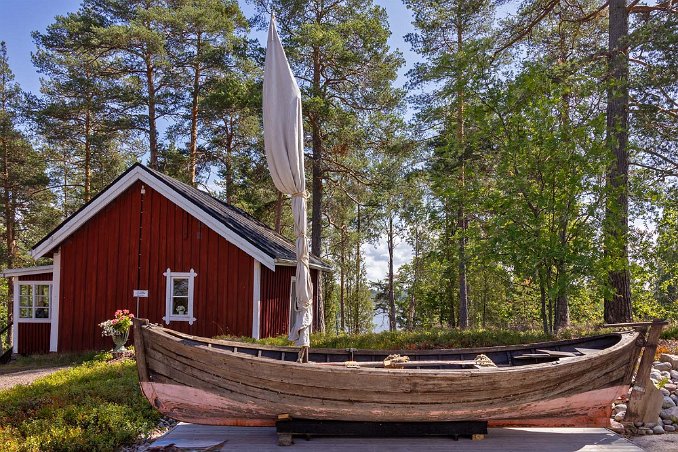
25, 377
656, 443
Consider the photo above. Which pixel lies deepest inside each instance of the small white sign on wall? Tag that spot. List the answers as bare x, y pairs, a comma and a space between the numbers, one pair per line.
141, 293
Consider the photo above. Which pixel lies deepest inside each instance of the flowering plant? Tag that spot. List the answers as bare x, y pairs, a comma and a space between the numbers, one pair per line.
120, 324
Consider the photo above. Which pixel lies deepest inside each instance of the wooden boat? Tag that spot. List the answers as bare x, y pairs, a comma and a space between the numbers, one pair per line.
206, 381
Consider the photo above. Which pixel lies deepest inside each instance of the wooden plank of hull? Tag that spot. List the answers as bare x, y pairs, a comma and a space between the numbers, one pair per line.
589, 409
397, 381
196, 383
260, 386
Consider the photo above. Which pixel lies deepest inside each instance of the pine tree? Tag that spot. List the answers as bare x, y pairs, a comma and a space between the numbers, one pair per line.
25, 196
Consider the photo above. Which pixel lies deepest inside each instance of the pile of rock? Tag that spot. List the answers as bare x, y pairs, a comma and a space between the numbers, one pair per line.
664, 375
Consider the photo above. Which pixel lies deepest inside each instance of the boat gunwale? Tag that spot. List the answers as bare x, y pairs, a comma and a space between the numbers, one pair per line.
366, 351
625, 339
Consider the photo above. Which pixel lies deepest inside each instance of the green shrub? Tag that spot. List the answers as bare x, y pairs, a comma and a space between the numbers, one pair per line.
94, 406
427, 339
670, 332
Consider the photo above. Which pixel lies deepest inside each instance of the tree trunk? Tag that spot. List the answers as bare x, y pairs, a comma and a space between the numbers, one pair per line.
450, 278
342, 279
278, 213
317, 183
542, 298
617, 306
415, 270
357, 276
152, 126
461, 215
88, 154
10, 217
391, 295
193, 151
229, 166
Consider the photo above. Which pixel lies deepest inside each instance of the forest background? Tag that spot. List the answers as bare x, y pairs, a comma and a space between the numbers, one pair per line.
529, 159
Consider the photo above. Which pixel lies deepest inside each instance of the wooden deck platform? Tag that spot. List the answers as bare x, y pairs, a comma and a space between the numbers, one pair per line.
197, 437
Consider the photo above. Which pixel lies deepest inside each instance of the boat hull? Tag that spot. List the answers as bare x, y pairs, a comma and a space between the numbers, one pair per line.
194, 381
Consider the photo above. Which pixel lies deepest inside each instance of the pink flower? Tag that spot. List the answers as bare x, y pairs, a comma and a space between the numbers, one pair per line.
114, 321
125, 311
118, 313
131, 316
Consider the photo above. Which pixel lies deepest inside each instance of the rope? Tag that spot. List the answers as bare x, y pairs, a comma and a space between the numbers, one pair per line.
394, 361
303, 194
484, 361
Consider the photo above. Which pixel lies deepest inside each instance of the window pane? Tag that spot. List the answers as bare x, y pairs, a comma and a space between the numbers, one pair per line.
180, 306
41, 302
26, 296
25, 290
180, 287
42, 296
25, 301
26, 313
42, 290
41, 313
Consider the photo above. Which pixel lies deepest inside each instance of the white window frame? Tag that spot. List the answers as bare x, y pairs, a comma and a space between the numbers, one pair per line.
169, 295
17, 303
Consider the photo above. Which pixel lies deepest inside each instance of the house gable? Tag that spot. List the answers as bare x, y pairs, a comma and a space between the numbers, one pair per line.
139, 173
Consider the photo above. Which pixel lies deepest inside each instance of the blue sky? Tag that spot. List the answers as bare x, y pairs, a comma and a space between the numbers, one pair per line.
18, 18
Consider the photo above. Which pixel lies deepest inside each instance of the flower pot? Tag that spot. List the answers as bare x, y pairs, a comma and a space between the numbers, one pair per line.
119, 340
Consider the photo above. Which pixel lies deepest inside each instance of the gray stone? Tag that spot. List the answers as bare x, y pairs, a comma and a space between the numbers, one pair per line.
670, 386
646, 431
667, 421
665, 375
617, 427
665, 392
669, 413
668, 402
656, 374
637, 424
658, 430
662, 367
669, 428
674, 397
620, 407
674, 375
668, 358
620, 416
649, 425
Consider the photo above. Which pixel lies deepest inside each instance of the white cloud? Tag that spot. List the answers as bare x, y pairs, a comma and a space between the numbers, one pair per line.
376, 258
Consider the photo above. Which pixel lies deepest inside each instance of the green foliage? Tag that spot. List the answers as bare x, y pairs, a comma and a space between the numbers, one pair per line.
430, 338
93, 406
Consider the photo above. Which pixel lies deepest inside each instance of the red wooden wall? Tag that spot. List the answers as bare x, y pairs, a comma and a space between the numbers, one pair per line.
121, 249
38, 277
34, 338
275, 300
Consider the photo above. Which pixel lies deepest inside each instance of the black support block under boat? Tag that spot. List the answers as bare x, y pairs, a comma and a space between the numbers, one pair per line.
287, 428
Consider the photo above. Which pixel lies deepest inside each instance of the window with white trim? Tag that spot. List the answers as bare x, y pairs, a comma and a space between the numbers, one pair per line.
293, 303
179, 296
34, 300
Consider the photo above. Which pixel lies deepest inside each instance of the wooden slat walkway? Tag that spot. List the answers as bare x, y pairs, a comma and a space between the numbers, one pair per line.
196, 437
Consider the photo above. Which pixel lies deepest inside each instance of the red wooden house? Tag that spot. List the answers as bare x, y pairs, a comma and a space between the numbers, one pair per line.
207, 268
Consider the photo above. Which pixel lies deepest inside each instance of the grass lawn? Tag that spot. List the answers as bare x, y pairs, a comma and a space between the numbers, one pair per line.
95, 405
439, 338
